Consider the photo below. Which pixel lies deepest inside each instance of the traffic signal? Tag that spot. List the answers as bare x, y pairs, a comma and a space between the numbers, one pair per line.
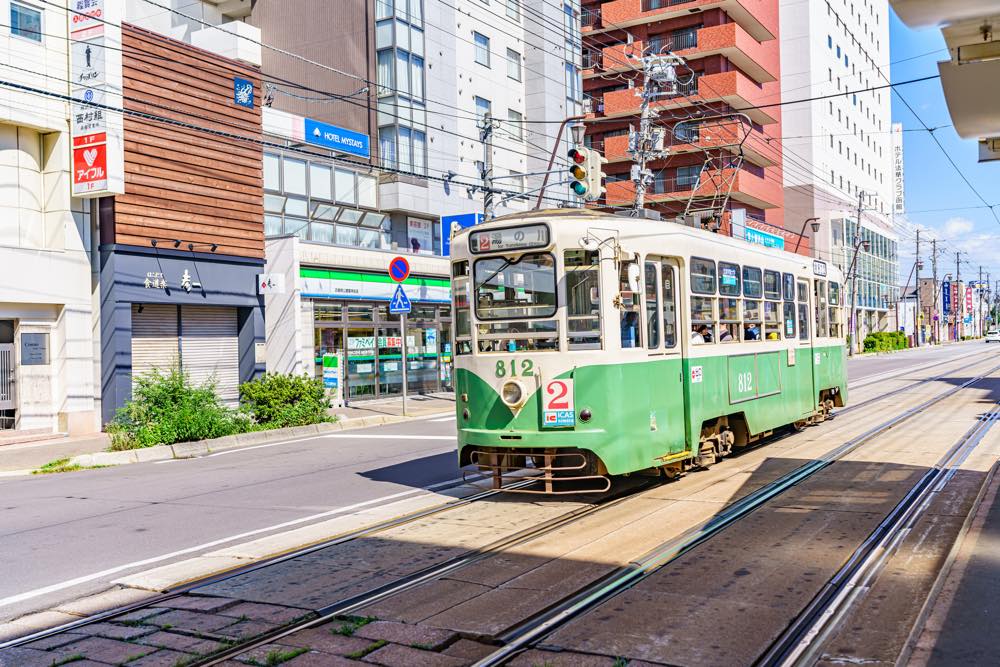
587, 170
595, 175
579, 159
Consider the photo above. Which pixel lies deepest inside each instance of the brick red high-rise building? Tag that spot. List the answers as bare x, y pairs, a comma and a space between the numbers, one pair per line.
731, 48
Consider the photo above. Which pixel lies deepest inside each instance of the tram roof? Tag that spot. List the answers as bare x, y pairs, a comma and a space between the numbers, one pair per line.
586, 215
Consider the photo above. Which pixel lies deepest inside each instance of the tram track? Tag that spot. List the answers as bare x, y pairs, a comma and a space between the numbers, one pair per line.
188, 587
531, 632
909, 387
810, 630
354, 603
347, 605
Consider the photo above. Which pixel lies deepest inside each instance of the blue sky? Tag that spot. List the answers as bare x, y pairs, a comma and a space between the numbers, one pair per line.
930, 182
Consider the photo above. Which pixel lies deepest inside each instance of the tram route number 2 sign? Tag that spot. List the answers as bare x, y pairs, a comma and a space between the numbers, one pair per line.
558, 410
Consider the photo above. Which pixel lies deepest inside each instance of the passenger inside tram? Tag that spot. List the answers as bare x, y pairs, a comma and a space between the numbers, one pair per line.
700, 333
751, 331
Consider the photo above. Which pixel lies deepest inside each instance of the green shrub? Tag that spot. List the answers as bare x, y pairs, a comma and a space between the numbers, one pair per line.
277, 401
885, 341
166, 409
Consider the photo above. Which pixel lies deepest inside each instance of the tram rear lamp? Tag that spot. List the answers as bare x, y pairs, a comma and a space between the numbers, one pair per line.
586, 415
512, 394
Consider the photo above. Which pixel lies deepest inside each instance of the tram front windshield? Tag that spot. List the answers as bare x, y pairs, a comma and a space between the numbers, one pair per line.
515, 302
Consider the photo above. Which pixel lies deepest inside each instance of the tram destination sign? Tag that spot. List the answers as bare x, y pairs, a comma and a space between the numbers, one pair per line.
511, 238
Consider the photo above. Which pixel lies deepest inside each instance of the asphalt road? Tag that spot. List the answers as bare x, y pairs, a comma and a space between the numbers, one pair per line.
61, 534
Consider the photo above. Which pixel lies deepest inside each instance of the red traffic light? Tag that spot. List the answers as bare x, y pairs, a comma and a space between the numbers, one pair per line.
577, 156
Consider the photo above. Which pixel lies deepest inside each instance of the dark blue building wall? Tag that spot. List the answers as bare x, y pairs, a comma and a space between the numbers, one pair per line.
225, 281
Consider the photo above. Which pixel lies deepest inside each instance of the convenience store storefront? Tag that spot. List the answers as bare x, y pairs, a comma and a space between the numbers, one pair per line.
333, 306
369, 341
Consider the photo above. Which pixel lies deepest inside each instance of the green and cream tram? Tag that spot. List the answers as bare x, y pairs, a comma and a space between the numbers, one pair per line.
590, 345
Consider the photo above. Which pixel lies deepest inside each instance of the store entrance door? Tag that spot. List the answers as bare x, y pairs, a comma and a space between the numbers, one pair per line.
390, 362
361, 375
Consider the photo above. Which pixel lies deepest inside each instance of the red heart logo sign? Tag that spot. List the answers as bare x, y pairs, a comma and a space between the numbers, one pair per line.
89, 156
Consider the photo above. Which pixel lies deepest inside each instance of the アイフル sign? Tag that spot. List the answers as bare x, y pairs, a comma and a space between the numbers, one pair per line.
95, 87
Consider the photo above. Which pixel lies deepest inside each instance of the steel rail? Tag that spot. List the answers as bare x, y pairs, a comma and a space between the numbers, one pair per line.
533, 630
891, 375
810, 630
260, 564
356, 602
909, 387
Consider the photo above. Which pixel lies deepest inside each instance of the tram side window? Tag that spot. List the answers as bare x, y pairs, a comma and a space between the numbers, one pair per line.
702, 320
669, 305
583, 300
752, 287
772, 320
702, 309
729, 279
629, 311
772, 285
652, 306
788, 286
803, 309
702, 276
836, 311
751, 320
729, 319
822, 314
463, 322
789, 313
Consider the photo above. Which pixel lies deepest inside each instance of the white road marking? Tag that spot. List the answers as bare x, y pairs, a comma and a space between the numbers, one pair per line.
69, 583
449, 418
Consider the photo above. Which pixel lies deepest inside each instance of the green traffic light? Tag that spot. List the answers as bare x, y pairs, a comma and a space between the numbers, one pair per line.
579, 188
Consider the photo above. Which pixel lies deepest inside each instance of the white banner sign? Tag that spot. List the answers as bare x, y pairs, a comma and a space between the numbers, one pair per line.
898, 189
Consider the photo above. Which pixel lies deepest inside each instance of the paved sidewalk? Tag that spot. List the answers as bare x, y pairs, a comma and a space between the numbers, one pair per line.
32, 455
416, 406
961, 626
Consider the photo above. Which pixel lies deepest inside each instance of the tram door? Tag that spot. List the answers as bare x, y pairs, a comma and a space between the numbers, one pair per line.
804, 349
666, 390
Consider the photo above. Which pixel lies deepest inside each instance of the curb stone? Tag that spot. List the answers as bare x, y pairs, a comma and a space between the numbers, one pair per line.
189, 450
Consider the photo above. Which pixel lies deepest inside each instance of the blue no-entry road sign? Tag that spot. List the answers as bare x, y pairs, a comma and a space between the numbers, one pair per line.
400, 304
399, 269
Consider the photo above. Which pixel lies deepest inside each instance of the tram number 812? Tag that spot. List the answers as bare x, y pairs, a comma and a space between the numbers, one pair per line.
744, 382
527, 368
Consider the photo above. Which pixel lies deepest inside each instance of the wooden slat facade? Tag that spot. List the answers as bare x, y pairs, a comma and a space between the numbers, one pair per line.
185, 183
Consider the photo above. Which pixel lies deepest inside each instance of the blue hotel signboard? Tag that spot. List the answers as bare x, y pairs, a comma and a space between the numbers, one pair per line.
336, 138
946, 297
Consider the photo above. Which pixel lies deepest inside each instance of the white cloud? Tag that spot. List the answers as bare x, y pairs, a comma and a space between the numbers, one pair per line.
954, 227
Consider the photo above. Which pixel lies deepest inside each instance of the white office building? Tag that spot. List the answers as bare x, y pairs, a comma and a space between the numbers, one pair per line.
518, 60
48, 294
839, 151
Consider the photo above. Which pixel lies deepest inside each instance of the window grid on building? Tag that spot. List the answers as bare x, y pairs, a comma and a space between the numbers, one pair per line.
402, 109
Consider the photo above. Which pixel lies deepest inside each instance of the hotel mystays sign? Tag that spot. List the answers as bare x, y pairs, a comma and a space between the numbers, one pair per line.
337, 138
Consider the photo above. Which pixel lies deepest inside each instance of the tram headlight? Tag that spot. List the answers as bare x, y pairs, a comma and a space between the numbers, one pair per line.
512, 393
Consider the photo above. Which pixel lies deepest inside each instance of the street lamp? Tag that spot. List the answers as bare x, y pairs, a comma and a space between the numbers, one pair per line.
815, 228
853, 275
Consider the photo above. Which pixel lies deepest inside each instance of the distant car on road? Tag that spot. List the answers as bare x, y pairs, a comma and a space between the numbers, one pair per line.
993, 336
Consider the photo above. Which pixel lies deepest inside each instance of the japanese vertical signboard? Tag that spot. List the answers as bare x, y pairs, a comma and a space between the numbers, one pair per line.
968, 300
946, 297
95, 86
898, 192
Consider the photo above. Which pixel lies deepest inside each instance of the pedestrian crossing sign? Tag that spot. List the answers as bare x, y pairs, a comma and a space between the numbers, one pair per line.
400, 304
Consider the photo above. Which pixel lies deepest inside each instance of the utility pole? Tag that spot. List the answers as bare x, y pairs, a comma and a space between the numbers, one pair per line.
979, 286
659, 72
918, 314
486, 136
855, 328
960, 306
934, 292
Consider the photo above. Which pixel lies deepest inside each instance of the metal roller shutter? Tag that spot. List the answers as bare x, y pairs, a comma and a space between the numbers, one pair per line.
210, 349
154, 339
